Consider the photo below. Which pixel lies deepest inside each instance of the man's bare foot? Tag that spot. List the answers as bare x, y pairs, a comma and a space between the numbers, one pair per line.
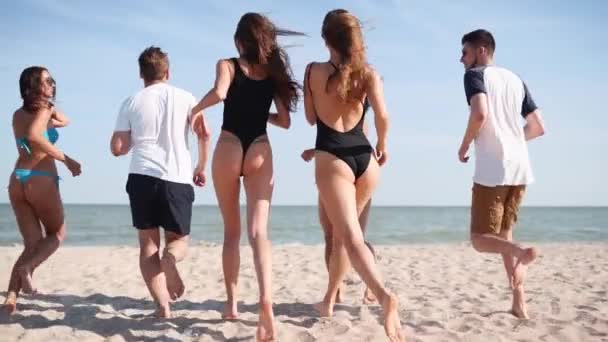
369, 297
26, 280
528, 256
521, 265
392, 323
266, 329
163, 311
10, 304
325, 308
175, 285
519, 308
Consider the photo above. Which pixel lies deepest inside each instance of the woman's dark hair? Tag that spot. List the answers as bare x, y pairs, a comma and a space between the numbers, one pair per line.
257, 36
30, 87
342, 32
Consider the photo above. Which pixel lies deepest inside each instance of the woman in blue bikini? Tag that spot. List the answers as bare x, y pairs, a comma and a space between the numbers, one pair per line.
33, 188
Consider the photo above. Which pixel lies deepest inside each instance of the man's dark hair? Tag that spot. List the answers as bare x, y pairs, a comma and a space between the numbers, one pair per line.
480, 38
153, 64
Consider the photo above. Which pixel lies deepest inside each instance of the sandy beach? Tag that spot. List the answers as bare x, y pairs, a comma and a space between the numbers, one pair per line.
448, 293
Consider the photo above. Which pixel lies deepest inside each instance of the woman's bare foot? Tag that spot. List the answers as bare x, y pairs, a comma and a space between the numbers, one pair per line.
266, 329
519, 309
27, 285
175, 284
325, 308
10, 304
163, 311
392, 323
369, 297
230, 311
339, 298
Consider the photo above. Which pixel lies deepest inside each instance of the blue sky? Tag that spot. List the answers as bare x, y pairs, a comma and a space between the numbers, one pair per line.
91, 48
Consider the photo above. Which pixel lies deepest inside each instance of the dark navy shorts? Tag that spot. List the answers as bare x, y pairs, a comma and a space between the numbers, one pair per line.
159, 203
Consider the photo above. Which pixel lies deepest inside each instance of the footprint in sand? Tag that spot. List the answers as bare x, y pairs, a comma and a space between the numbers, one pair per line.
555, 309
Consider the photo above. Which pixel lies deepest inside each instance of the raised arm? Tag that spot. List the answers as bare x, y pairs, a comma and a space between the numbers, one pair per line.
39, 142
203, 142
375, 94
224, 72
309, 105
120, 144
58, 119
535, 126
35, 135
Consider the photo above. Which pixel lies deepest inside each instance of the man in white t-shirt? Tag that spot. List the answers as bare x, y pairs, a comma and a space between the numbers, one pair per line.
154, 124
498, 101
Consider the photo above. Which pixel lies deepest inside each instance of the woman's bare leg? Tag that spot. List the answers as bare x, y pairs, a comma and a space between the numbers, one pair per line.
226, 172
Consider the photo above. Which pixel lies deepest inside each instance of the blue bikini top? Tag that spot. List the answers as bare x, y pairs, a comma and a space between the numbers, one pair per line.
50, 134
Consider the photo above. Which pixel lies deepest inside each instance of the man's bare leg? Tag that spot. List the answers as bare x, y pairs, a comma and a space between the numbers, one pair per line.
149, 264
490, 243
175, 251
516, 260
507, 258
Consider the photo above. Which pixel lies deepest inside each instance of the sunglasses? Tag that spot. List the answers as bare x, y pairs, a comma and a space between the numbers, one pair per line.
50, 81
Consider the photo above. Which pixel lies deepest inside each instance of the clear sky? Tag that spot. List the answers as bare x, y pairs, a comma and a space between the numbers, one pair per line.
558, 47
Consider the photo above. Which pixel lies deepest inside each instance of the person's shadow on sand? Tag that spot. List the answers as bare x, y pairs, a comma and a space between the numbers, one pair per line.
86, 314
89, 314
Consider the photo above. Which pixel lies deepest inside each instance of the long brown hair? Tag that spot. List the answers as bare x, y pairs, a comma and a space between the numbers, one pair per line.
30, 87
257, 36
342, 32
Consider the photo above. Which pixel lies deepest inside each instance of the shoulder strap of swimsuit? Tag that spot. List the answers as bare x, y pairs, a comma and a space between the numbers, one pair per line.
237, 66
366, 104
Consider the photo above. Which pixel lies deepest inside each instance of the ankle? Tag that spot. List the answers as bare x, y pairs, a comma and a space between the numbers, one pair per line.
266, 301
231, 300
163, 306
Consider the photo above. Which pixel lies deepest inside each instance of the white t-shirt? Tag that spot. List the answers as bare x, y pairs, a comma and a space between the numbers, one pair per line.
158, 118
501, 151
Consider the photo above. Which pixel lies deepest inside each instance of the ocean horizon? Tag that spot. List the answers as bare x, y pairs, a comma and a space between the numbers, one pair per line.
110, 224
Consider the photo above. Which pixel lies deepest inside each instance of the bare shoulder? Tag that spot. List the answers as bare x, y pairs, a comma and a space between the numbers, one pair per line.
225, 64
312, 66
16, 115
371, 75
20, 116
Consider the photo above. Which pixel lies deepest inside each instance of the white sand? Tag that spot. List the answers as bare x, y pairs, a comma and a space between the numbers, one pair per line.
447, 293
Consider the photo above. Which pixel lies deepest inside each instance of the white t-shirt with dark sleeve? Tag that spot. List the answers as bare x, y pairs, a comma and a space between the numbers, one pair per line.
501, 150
158, 117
